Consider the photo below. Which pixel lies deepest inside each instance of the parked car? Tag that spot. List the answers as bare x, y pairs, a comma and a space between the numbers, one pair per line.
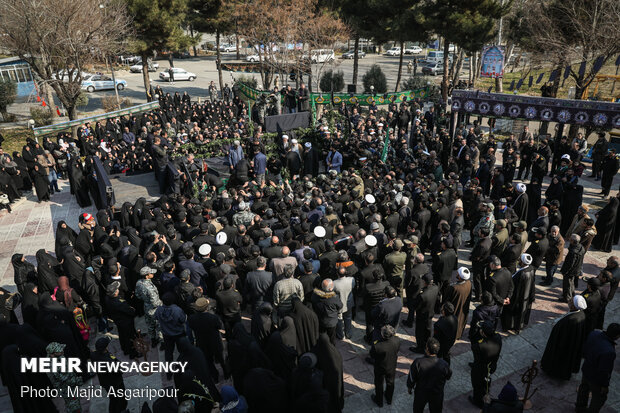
181, 55
253, 58
63, 75
179, 74
394, 51
436, 56
320, 55
130, 60
137, 68
413, 50
351, 54
433, 69
227, 48
101, 82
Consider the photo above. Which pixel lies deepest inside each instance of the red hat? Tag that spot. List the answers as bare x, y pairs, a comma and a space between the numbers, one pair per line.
86, 216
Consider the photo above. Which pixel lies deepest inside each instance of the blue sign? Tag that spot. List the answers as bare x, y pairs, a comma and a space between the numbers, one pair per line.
492, 61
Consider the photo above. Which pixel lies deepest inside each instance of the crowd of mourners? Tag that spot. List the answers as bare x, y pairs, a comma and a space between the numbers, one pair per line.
304, 241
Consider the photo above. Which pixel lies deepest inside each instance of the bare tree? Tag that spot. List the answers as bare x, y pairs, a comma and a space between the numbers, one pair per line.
59, 38
575, 31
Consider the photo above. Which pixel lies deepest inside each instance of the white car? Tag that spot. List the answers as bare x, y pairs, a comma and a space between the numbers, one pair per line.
394, 51
413, 50
253, 58
101, 82
227, 48
179, 74
137, 68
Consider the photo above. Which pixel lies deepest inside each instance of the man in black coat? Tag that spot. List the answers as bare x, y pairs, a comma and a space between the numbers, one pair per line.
610, 169
229, 304
206, 327
486, 354
413, 286
123, 315
259, 284
499, 282
427, 377
445, 331
538, 248
571, 268
425, 309
443, 264
110, 379
387, 311
374, 293
479, 256
512, 253
327, 304
385, 354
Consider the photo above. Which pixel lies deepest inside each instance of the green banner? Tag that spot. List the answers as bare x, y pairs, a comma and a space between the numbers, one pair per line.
47, 130
348, 99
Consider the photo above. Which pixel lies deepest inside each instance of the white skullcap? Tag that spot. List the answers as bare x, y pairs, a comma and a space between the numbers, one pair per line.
284, 136
319, 231
379, 124
526, 259
370, 240
221, 238
205, 249
566, 156
294, 141
464, 273
579, 302
308, 145
404, 200
237, 143
521, 188
370, 198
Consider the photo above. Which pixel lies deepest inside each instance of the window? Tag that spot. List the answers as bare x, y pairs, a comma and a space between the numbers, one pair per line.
13, 75
20, 75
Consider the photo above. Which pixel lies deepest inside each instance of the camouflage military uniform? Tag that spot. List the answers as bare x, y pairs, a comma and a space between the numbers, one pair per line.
147, 292
61, 381
243, 218
487, 221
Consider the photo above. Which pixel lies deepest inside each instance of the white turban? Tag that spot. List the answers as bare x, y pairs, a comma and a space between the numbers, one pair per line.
579, 302
370, 240
521, 188
464, 273
526, 259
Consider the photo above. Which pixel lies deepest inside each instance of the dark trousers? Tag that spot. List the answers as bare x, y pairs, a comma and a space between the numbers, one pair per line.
550, 269
478, 280
126, 334
331, 333
480, 382
169, 343
423, 328
118, 403
369, 325
434, 401
524, 167
583, 394
388, 377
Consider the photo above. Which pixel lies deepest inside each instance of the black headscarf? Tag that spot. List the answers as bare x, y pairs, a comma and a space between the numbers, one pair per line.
330, 363
23, 272
306, 326
47, 271
261, 323
196, 360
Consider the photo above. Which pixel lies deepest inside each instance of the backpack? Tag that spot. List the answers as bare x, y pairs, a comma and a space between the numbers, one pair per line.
81, 321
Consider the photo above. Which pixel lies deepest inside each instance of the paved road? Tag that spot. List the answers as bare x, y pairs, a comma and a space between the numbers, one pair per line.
205, 69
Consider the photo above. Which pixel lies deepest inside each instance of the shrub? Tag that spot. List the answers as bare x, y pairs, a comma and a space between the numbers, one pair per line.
375, 77
329, 79
110, 104
82, 100
41, 116
8, 92
248, 81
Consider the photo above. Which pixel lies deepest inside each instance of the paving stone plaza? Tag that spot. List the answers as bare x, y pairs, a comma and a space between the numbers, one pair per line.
31, 225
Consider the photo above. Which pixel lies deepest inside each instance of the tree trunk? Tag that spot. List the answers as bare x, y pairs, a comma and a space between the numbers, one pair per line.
457, 67
444, 80
498, 85
472, 62
218, 59
50, 99
72, 112
400, 65
146, 78
191, 33
356, 57
237, 45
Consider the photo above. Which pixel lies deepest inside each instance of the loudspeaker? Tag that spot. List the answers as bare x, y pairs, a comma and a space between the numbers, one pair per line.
351, 88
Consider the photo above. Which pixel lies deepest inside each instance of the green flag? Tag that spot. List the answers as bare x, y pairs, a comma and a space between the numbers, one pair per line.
386, 144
